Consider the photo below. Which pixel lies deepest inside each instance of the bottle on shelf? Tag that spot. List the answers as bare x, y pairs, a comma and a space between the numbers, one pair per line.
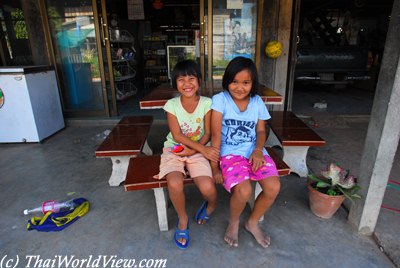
53, 206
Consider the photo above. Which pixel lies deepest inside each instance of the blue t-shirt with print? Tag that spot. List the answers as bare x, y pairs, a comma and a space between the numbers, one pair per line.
238, 135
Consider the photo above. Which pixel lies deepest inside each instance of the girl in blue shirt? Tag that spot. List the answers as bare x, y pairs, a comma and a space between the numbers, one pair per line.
238, 129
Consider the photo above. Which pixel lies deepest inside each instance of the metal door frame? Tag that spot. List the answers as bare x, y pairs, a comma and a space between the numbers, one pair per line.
207, 37
98, 27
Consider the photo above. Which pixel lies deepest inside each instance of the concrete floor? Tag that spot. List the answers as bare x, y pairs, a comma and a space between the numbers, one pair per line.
124, 224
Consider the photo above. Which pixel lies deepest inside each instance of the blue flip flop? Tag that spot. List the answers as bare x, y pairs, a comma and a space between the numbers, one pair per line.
182, 234
202, 213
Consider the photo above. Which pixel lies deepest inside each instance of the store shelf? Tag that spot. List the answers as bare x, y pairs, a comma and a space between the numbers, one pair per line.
125, 77
124, 64
157, 67
155, 60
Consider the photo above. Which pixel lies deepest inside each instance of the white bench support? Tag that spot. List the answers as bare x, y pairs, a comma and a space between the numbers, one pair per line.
146, 149
295, 157
120, 166
272, 140
161, 203
119, 169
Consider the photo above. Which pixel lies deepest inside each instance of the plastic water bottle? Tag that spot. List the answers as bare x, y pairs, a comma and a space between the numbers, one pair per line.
53, 206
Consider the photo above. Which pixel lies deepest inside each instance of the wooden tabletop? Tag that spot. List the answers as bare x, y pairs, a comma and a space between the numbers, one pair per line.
159, 96
126, 138
292, 131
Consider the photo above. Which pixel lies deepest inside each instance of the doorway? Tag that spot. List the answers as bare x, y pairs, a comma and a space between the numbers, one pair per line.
77, 56
209, 32
339, 51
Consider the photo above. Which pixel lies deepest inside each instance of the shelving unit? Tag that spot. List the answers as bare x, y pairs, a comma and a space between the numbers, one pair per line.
155, 61
124, 64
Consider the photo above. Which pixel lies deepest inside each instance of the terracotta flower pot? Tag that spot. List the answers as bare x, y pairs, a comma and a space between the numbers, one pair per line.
323, 205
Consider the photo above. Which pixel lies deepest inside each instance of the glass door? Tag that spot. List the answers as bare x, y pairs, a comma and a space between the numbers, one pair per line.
233, 25
77, 55
15, 47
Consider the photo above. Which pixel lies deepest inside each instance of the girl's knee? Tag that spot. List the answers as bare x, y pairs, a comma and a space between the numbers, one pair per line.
175, 183
206, 186
272, 185
243, 191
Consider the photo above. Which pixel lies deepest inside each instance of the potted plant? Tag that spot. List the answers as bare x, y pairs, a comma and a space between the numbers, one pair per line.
328, 190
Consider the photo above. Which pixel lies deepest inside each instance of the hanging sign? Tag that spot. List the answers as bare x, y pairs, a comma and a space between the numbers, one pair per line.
135, 10
234, 4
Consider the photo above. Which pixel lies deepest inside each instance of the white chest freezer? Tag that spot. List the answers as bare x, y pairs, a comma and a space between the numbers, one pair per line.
30, 107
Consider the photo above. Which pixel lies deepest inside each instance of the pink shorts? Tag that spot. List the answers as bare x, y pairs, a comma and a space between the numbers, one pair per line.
236, 169
197, 165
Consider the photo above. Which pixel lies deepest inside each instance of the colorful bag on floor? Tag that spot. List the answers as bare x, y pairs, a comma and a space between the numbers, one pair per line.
53, 222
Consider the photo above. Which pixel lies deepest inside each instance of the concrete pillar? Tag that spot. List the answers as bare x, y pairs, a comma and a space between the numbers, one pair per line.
383, 133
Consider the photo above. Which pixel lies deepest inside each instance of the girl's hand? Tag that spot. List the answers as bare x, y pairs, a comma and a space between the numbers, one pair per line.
211, 153
257, 159
217, 175
185, 152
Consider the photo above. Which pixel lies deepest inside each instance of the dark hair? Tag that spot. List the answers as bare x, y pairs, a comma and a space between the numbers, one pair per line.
183, 68
237, 65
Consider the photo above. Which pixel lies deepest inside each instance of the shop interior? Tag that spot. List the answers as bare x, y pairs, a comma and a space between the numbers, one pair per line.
339, 52
148, 52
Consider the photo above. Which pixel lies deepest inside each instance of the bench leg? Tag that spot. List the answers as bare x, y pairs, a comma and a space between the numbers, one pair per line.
256, 190
146, 149
119, 169
273, 140
161, 203
295, 157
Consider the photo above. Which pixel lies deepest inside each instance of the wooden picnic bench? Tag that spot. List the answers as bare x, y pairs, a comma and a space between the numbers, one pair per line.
294, 137
140, 177
161, 94
126, 140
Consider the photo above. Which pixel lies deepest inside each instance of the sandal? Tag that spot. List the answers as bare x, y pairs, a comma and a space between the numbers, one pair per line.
202, 213
182, 234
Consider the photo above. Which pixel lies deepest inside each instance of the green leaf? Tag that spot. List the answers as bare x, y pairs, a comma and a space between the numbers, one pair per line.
322, 184
315, 178
331, 192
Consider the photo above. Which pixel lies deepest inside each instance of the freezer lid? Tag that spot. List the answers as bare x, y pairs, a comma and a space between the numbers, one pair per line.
25, 69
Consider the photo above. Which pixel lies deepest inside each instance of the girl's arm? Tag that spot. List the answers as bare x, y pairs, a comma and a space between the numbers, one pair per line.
173, 124
216, 127
257, 156
207, 129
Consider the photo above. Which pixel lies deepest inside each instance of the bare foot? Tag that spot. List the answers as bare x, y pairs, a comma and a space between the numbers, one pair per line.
261, 238
231, 234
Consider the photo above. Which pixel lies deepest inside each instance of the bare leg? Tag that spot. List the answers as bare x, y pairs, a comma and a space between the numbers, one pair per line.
265, 199
177, 196
207, 189
240, 195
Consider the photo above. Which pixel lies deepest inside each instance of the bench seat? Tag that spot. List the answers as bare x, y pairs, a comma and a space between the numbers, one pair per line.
295, 137
127, 139
140, 177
